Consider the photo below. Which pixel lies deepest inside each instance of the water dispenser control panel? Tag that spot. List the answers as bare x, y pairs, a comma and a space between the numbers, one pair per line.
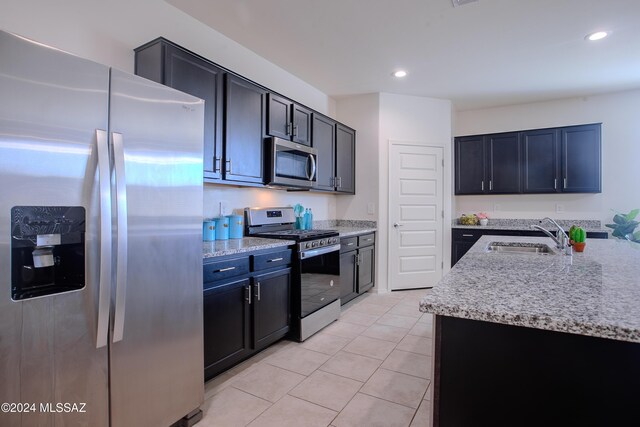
47, 250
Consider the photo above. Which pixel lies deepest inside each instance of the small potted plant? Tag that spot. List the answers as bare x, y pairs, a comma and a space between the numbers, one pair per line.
484, 218
578, 237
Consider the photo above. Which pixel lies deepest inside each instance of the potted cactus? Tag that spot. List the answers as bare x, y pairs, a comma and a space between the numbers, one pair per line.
578, 238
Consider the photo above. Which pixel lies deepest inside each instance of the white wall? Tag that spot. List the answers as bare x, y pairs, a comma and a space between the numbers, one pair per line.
618, 113
399, 118
108, 31
362, 113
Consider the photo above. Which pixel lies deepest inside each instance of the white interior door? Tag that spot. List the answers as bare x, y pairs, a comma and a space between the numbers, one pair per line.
416, 203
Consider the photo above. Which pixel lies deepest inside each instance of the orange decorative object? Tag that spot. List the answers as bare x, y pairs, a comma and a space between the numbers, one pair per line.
579, 247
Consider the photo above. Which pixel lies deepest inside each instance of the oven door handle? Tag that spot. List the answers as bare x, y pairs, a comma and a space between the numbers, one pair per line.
320, 251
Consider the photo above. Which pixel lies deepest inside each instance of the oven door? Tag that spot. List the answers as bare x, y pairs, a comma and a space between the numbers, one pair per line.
320, 278
292, 164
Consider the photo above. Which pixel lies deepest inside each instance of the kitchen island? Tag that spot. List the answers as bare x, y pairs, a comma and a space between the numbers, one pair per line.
530, 339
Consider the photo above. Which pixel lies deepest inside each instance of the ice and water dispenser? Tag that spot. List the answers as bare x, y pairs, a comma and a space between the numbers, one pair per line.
47, 250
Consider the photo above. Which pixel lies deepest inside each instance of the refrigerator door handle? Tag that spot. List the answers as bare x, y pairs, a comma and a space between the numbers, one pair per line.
122, 233
104, 287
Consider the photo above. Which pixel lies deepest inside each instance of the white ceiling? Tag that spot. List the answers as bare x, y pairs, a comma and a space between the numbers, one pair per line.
488, 53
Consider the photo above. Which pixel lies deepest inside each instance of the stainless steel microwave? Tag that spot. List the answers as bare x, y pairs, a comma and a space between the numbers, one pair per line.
291, 164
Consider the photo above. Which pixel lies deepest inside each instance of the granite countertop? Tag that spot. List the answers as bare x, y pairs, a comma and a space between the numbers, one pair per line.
238, 246
594, 293
346, 227
524, 225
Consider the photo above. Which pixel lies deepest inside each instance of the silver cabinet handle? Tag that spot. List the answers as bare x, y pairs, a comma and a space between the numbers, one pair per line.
482, 186
339, 178
490, 185
217, 166
395, 224
295, 130
313, 167
555, 183
350, 244
288, 131
228, 169
104, 287
122, 245
258, 290
247, 290
467, 235
565, 183
275, 260
356, 259
225, 269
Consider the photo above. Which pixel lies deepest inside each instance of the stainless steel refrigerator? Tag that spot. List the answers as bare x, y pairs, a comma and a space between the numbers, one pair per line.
100, 244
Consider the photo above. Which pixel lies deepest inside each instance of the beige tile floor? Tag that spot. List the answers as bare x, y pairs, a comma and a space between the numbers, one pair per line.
370, 368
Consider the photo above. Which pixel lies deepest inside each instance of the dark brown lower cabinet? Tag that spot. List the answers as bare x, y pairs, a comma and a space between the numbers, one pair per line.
226, 325
271, 307
357, 266
246, 311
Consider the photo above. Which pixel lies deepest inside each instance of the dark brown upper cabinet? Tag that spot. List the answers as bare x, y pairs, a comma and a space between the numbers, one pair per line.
562, 160
345, 180
168, 64
324, 140
581, 159
540, 161
244, 120
470, 165
288, 120
503, 163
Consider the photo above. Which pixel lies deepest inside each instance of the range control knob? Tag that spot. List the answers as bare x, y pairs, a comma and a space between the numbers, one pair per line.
322, 242
307, 245
314, 244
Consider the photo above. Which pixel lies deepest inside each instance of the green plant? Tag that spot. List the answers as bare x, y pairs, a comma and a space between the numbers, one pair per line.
624, 225
579, 235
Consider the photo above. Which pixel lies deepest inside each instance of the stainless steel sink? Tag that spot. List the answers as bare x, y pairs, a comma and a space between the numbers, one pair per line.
518, 247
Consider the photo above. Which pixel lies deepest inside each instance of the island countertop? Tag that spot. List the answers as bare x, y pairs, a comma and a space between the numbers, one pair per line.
594, 293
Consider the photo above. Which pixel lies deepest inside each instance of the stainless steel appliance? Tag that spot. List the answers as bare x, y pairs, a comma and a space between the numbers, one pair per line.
316, 291
290, 164
100, 244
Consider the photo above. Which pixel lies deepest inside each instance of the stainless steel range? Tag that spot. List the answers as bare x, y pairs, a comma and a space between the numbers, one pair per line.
315, 295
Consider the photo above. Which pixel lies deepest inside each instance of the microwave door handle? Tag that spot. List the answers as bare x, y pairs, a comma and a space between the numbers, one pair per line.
312, 175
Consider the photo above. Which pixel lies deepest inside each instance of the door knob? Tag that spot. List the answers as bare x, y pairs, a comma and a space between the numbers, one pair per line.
396, 225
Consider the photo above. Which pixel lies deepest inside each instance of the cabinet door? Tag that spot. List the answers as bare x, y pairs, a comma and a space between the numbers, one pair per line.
272, 307
324, 140
301, 125
470, 161
195, 76
540, 163
348, 268
279, 117
244, 131
503, 160
366, 268
226, 326
458, 249
581, 159
346, 159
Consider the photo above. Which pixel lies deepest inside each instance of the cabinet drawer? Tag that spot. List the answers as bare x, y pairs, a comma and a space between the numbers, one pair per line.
366, 240
348, 244
270, 260
471, 235
218, 270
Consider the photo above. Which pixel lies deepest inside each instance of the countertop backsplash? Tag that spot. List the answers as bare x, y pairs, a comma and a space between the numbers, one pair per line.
505, 223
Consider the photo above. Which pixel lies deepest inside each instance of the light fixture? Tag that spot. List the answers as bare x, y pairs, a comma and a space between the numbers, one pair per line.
400, 73
598, 35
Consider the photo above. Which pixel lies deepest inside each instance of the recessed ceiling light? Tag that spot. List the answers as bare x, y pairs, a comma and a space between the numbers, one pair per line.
400, 73
598, 35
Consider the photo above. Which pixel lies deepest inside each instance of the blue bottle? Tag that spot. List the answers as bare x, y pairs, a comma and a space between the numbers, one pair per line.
308, 219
